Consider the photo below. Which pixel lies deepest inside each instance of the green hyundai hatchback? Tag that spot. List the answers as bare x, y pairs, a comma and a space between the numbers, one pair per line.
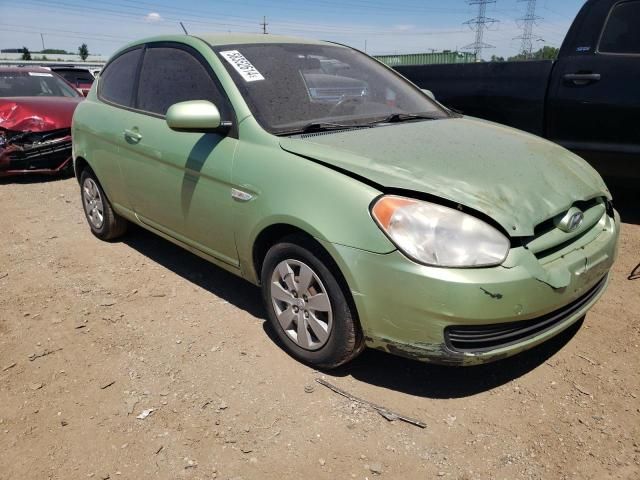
369, 214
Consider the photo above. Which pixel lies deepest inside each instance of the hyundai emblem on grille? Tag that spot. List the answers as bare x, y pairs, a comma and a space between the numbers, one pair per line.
572, 220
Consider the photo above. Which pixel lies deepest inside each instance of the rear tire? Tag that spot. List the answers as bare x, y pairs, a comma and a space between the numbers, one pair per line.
306, 305
103, 221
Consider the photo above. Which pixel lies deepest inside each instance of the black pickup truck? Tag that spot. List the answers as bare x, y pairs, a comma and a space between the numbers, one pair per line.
588, 100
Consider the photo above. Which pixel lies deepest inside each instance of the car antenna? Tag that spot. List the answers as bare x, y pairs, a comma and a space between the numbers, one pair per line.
185, 30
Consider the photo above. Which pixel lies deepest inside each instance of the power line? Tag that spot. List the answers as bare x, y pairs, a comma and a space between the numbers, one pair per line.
53, 31
331, 30
528, 21
65, 35
479, 25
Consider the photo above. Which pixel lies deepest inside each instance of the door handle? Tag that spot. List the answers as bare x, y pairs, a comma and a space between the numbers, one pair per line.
132, 136
582, 78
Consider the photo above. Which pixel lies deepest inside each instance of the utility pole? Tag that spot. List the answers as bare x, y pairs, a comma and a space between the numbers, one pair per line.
264, 25
528, 21
479, 25
42, 38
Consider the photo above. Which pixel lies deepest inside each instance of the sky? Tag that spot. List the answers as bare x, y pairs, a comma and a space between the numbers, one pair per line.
379, 26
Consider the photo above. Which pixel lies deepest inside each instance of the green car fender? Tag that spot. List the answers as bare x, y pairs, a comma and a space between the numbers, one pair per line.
324, 203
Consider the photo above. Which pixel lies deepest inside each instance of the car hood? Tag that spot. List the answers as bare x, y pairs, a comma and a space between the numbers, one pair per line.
517, 179
37, 114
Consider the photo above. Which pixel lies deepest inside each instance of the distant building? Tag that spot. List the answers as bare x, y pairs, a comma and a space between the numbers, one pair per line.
432, 58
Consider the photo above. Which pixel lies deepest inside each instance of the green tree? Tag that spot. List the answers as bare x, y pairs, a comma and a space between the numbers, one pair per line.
83, 51
495, 58
545, 53
26, 54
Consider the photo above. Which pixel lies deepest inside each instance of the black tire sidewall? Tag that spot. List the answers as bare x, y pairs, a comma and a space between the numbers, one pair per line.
342, 343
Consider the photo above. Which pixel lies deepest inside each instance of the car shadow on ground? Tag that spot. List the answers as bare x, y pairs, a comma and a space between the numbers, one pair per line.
196, 270
440, 382
373, 367
33, 178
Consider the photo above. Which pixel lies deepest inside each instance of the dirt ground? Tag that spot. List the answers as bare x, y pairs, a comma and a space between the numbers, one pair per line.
92, 334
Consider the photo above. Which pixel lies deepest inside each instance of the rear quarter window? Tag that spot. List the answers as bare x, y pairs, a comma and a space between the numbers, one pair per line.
621, 33
117, 80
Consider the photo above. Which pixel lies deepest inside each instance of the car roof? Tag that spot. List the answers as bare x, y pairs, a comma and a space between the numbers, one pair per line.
216, 39
24, 69
220, 39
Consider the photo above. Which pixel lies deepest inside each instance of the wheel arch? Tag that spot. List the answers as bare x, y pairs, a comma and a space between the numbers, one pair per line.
279, 232
270, 236
79, 164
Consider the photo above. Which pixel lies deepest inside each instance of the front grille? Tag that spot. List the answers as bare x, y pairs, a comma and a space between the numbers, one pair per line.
45, 156
549, 224
483, 338
550, 239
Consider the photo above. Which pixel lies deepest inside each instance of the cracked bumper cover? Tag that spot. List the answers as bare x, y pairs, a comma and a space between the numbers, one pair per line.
46, 157
405, 307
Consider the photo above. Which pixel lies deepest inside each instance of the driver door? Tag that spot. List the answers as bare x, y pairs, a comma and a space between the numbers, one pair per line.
179, 182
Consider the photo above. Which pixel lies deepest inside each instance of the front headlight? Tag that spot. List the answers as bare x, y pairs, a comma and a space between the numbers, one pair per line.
439, 236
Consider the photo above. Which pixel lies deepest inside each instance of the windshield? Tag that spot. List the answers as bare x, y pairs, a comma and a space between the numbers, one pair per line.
290, 86
34, 84
76, 77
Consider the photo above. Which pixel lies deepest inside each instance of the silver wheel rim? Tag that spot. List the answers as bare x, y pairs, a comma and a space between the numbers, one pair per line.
92, 201
301, 304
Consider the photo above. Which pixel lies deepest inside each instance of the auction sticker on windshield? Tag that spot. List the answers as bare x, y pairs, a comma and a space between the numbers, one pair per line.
243, 66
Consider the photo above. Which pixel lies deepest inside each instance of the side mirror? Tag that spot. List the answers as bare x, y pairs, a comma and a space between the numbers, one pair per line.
428, 93
194, 116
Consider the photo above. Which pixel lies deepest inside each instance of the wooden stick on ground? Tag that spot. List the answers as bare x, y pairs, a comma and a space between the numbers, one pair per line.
385, 412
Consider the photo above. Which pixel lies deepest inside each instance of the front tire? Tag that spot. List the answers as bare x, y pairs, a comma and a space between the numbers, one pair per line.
103, 221
307, 306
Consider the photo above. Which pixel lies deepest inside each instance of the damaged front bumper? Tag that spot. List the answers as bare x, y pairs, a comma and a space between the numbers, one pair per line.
23, 153
471, 316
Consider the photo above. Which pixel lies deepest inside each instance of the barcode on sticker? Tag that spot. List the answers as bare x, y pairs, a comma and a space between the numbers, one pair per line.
243, 66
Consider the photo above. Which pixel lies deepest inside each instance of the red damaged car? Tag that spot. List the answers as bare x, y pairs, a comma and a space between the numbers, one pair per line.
36, 108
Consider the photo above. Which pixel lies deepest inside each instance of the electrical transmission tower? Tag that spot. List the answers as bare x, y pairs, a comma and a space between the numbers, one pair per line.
479, 25
527, 22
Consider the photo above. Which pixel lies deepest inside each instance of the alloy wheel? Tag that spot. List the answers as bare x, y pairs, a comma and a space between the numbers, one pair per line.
301, 304
93, 204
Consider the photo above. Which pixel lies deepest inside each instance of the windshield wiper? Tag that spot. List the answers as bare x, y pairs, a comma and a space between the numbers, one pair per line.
328, 126
403, 117
323, 127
